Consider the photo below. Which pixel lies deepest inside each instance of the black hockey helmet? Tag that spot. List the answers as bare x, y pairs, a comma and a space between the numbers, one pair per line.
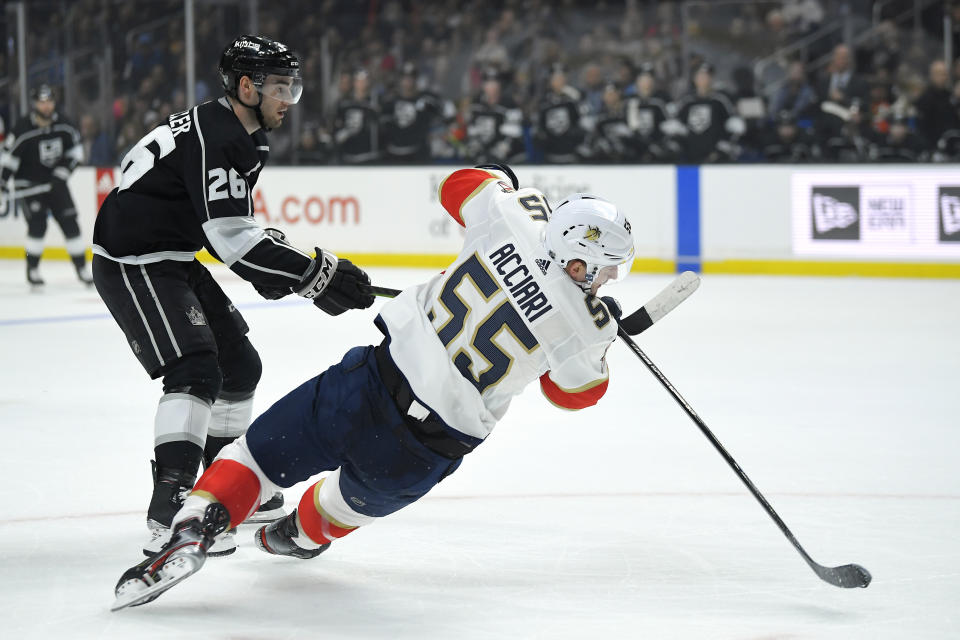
259, 57
42, 92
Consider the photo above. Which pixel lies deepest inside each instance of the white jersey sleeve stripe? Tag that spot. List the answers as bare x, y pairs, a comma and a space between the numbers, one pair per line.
232, 237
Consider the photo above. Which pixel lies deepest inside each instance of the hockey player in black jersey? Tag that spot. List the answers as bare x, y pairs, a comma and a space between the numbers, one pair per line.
494, 125
407, 119
710, 124
612, 140
559, 130
40, 153
187, 185
646, 112
356, 127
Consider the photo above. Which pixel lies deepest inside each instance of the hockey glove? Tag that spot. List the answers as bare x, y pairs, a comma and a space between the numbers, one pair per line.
347, 289
612, 306
504, 169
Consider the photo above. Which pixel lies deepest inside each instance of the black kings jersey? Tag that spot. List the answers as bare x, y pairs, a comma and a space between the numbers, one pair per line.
188, 184
35, 155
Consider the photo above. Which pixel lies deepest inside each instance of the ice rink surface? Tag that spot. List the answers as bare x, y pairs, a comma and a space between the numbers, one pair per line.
840, 398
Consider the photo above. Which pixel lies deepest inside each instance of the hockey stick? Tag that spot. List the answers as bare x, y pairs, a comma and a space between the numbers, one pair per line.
847, 576
661, 304
383, 292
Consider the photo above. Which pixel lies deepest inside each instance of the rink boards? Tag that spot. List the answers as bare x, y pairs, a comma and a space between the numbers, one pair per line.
894, 220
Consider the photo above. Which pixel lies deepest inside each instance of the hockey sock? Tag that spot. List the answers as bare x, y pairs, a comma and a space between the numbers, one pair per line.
76, 247
315, 523
233, 485
180, 431
229, 418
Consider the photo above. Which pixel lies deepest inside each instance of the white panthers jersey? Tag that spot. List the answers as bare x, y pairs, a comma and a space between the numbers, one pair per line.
501, 316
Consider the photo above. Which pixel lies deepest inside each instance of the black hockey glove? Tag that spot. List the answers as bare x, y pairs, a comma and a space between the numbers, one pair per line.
612, 306
348, 289
335, 285
505, 169
274, 293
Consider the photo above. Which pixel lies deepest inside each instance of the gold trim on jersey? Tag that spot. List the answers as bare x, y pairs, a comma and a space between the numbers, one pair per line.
473, 193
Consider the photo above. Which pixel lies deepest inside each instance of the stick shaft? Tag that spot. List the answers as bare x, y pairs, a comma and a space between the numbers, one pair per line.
719, 447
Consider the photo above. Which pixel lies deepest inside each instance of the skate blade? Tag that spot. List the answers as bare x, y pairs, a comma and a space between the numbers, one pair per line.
266, 517
173, 572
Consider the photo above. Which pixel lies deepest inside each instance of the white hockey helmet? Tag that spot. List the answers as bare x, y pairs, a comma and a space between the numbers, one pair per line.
591, 229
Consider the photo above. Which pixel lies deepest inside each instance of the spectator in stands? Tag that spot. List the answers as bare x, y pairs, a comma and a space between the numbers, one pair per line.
594, 88
802, 16
841, 84
796, 96
97, 148
900, 144
935, 112
315, 146
848, 139
785, 141
559, 131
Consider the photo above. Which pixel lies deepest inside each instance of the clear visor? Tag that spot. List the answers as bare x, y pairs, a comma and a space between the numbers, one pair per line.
285, 89
611, 274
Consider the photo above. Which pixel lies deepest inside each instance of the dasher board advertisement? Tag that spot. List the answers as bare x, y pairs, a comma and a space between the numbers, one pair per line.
885, 212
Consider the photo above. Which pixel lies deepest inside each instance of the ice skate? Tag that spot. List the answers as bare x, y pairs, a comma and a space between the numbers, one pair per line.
34, 278
84, 275
159, 535
179, 559
269, 511
279, 538
170, 489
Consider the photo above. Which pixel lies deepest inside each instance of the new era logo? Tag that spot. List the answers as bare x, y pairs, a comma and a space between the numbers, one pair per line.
836, 213
949, 201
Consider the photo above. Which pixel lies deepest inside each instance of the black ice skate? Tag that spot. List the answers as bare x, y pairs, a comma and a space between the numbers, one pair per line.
279, 537
34, 278
170, 489
179, 559
269, 511
83, 271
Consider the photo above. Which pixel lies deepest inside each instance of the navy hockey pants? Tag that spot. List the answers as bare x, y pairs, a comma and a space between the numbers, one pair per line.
346, 418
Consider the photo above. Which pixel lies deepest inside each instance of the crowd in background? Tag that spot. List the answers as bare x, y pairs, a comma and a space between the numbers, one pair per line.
470, 81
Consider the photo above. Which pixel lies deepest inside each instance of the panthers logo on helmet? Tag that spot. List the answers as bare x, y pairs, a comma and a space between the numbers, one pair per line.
592, 234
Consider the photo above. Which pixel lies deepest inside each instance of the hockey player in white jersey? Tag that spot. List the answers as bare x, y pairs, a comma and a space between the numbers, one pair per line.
390, 422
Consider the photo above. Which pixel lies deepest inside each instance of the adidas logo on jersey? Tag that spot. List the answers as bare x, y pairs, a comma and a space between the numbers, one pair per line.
543, 264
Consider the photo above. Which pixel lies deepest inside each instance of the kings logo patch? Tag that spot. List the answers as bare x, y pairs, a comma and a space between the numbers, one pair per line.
195, 316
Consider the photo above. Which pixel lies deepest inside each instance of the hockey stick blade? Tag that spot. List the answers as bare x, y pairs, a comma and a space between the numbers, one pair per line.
848, 576
383, 292
661, 304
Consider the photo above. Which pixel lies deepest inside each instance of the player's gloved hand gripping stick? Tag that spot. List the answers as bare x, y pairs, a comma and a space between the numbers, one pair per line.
334, 284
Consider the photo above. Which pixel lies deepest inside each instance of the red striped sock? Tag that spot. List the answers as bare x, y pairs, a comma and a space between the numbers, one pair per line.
316, 523
233, 485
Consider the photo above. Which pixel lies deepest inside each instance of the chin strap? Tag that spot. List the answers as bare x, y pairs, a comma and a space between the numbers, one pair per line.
257, 111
